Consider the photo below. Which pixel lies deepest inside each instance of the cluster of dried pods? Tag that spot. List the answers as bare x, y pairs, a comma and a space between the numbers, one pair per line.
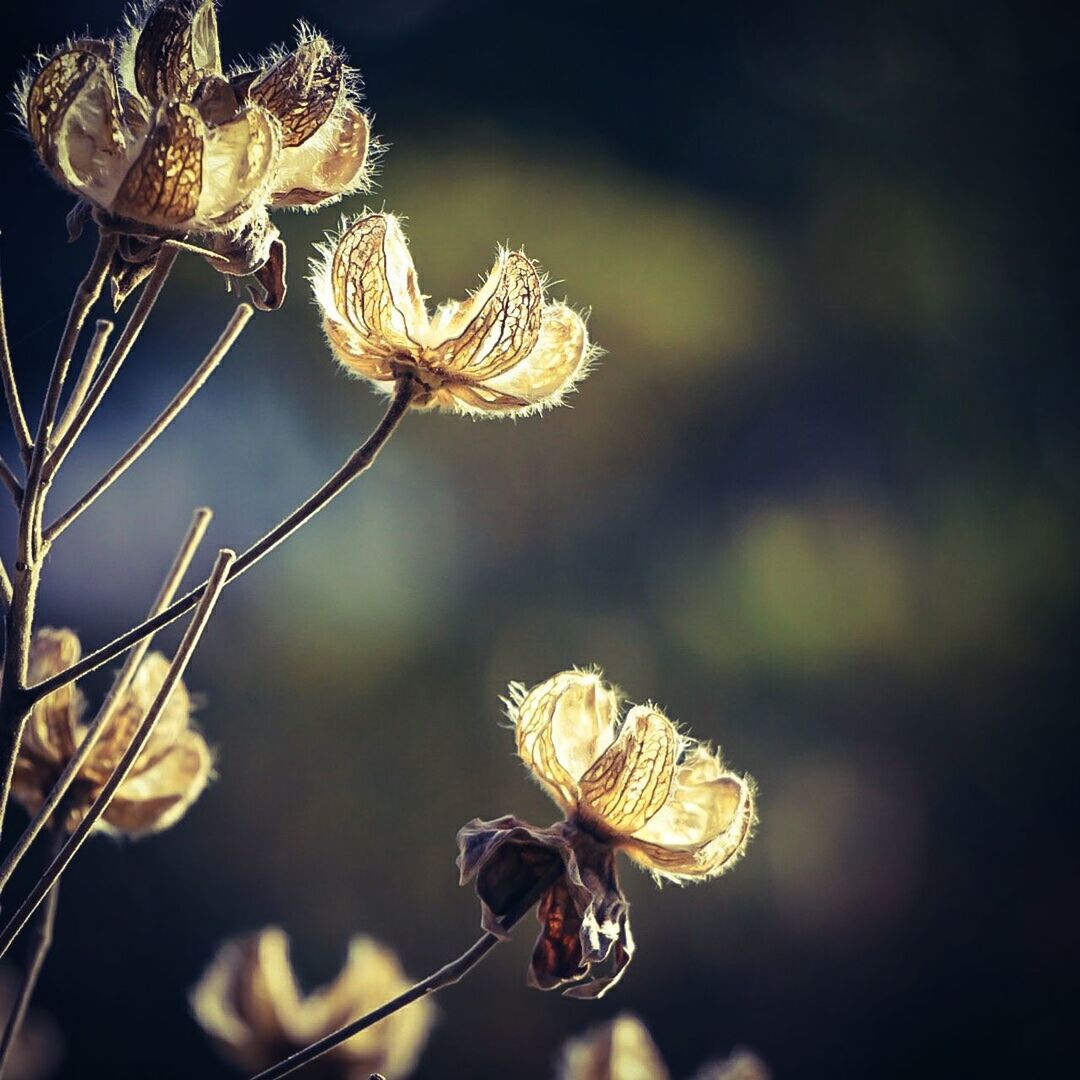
166, 151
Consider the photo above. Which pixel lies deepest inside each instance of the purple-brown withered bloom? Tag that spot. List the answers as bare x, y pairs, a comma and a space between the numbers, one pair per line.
158, 141
633, 784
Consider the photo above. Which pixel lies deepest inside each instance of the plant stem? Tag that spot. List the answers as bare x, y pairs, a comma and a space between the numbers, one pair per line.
94, 353
11, 482
358, 462
147, 298
186, 552
143, 443
5, 586
447, 975
37, 950
214, 586
11, 389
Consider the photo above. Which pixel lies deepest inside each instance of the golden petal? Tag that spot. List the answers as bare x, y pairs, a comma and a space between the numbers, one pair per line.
620, 1050
630, 782
303, 90
164, 183
311, 177
239, 161
176, 48
50, 731
498, 327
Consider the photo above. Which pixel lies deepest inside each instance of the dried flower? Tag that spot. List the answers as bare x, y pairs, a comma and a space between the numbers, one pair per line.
168, 776
158, 141
641, 787
249, 1002
506, 350
623, 1049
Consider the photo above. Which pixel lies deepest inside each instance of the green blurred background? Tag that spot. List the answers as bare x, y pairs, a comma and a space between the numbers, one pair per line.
819, 500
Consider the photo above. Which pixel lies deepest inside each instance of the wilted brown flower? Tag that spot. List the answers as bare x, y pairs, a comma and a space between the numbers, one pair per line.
249, 1002
641, 787
168, 776
623, 1049
507, 350
152, 134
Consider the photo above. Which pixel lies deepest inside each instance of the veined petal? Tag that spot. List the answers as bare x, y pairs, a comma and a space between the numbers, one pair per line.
72, 115
558, 360
164, 184
50, 732
563, 725
175, 48
631, 780
314, 174
496, 328
239, 161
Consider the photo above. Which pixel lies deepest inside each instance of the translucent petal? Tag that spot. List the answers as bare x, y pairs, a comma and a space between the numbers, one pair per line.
563, 725
620, 1050
49, 736
630, 782
164, 183
239, 162
176, 47
314, 174
498, 327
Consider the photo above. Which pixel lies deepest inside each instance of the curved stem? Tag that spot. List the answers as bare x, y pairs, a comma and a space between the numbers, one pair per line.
358, 462
11, 482
184, 652
447, 975
143, 443
11, 390
94, 353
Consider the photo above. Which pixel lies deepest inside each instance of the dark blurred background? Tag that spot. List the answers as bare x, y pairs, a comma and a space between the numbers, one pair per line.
819, 500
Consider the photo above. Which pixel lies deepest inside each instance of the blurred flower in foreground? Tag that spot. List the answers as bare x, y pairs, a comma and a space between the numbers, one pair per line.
641, 787
39, 1046
506, 350
249, 1002
158, 141
168, 776
623, 1049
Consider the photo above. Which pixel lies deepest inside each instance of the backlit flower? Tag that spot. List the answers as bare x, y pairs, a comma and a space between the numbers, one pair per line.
168, 776
635, 785
506, 350
249, 1002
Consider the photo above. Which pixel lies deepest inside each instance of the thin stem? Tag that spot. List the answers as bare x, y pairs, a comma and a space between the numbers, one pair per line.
186, 552
358, 462
11, 389
147, 298
143, 443
451, 973
11, 482
184, 652
35, 961
102, 329
5, 586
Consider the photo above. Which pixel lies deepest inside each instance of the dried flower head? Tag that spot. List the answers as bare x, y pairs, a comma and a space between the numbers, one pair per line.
637, 786
158, 141
249, 1002
168, 776
741, 1065
506, 350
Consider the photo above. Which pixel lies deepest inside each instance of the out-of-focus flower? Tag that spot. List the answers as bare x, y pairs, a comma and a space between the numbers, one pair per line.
39, 1046
168, 776
249, 1002
159, 142
623, 1049
638, 786
506, 350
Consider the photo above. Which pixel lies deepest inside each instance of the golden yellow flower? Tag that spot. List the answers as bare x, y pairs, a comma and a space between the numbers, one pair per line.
507, 350
741, 1065
249, 1002
622, 1049
168, 776
636, 786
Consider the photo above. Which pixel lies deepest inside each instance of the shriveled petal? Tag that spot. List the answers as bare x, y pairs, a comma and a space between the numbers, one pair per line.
303, 90
157, 796
248, 1000
164, 184
741, 1065
313, 175
562, 726
558, 360
703, 827
49, 737
238, 165
175, 48
73, 117
631, 781
495, 329
620, 1050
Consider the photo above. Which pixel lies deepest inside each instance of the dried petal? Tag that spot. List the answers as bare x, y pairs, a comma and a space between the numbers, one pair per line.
175, 48
311, 177
620, 1050
741, 1065
50, 732
630, 782
239, 161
